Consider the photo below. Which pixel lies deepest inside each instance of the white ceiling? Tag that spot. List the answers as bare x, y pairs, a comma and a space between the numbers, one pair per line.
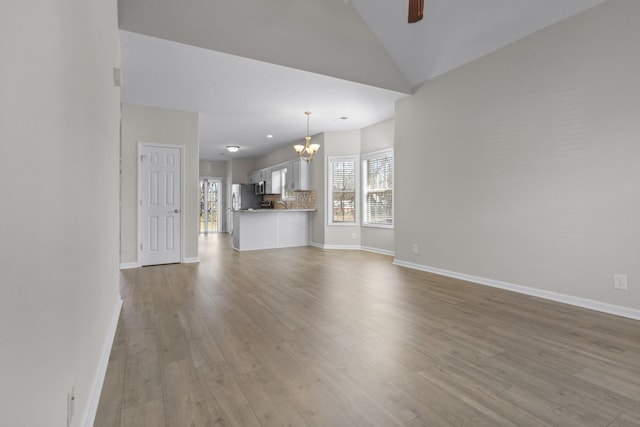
242, 100
366, 45
455, 32
326, 37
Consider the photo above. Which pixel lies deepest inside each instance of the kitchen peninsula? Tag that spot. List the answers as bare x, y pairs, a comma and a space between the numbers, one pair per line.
271, 228
287, 223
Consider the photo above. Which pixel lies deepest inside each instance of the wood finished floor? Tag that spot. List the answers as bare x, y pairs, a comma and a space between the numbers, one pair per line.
308, 337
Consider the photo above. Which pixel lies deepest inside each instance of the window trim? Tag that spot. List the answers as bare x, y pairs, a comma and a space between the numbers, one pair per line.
387, 152
356, 164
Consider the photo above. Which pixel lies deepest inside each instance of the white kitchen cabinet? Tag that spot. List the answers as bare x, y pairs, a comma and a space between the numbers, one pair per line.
254, 178
268, 182
257, 176
297, 175
283, 178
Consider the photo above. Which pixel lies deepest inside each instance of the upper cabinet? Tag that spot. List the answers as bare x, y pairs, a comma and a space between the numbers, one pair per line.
256, 177
274, 183
283, 178
297, 175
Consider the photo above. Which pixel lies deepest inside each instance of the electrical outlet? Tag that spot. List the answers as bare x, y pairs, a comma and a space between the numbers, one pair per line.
354, 236
415, 248
71, 398
620, 281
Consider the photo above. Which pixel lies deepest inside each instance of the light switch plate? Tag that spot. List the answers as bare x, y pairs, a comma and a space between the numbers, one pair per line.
620, 281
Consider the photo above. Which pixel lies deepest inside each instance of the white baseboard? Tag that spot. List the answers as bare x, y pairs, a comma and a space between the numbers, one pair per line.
127, 265
353, 247
89, 415
337, 247
540, 293
377, 251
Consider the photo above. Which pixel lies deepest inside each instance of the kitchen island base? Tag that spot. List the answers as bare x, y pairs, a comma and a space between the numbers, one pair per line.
271, 228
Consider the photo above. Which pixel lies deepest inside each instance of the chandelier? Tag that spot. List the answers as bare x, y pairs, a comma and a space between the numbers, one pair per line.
307, 150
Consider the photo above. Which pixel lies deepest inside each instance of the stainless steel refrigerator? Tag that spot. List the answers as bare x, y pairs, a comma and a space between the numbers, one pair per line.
243, 196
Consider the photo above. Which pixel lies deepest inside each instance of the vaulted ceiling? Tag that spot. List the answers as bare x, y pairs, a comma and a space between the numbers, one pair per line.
252, 67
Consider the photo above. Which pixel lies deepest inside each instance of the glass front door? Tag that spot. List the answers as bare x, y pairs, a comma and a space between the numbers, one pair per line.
210, 205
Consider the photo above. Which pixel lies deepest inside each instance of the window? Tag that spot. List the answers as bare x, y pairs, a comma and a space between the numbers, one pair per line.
342, 190
377, 188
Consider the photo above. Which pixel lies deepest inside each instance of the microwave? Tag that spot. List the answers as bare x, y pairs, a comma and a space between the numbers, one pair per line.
260, 187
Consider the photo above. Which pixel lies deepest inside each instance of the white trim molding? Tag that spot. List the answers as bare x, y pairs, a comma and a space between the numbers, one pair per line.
128, 265
338, 247
377, 251
353, 247
342, 247
331, 161
89, 415
364, 158
540, 293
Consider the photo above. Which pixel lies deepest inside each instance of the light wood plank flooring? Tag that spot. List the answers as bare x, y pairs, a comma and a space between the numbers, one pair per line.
308, 337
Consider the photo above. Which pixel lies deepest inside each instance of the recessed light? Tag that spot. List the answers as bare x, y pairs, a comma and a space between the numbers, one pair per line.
343, 118
232, 148
269, 136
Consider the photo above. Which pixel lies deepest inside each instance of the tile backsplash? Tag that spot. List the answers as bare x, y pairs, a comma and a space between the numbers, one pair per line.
304, 199
301, 199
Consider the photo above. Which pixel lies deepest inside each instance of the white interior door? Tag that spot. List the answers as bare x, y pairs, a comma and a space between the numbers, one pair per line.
160, 203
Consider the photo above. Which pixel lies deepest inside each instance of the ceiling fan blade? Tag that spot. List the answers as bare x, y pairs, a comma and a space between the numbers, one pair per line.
416, 10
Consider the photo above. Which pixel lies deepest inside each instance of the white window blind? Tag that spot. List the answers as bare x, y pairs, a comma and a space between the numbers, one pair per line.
342, 201
378, 188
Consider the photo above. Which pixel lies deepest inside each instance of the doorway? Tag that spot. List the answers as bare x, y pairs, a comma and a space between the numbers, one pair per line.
210, 202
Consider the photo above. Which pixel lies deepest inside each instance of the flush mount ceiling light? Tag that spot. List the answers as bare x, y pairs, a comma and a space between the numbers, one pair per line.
307, 150
232, 148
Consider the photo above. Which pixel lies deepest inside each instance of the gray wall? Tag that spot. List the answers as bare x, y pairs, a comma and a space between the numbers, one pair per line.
280, 155
59, 133
158, 126
373, 138
238, 170
343, 143
348, 143
212, 169
317, 182
527, 161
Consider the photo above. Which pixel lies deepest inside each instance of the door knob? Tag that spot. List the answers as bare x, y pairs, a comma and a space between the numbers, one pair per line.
177, 211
